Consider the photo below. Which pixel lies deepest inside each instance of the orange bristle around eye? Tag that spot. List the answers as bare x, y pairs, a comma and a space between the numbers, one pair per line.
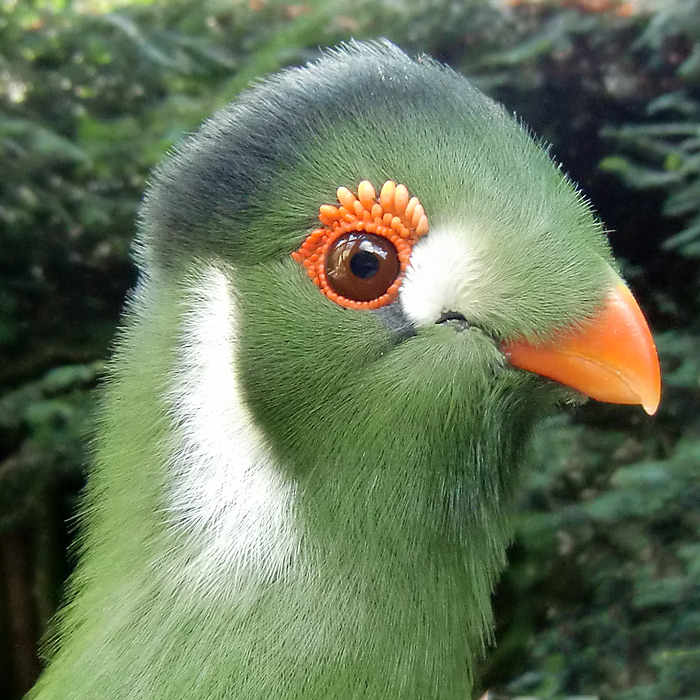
393, 215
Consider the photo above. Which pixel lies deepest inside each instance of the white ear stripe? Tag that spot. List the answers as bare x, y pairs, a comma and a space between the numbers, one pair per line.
227, 496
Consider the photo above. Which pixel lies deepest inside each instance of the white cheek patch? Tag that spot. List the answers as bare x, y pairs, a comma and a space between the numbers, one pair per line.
445, 274
229, 502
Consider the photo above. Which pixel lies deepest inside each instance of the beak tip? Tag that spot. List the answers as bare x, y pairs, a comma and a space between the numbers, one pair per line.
651, 403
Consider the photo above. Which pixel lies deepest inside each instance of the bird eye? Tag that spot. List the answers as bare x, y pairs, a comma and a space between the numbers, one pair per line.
359, 256
361, 266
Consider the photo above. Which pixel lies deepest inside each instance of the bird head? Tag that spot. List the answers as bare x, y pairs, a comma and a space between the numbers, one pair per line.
412, 278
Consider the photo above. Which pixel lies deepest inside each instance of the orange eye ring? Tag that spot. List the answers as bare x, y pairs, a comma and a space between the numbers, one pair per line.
394, 215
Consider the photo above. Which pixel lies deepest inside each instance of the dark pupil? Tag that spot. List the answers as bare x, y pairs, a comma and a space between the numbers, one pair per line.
361, 266
364, 264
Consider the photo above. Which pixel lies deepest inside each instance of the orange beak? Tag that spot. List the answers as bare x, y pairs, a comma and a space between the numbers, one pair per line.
613, 358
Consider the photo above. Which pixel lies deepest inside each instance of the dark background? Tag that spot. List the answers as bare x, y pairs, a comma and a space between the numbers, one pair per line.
602, 597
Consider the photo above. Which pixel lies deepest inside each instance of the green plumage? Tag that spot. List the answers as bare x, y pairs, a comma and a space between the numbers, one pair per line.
399, 456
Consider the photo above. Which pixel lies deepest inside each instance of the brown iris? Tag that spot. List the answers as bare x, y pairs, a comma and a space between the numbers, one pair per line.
361, 266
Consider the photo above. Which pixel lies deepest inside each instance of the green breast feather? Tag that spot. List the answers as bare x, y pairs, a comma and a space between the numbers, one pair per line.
358, 285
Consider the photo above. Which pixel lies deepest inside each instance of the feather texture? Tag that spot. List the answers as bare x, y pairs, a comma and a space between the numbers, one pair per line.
293, 500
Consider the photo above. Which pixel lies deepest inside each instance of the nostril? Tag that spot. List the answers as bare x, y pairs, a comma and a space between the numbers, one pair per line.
454, 319
450, 316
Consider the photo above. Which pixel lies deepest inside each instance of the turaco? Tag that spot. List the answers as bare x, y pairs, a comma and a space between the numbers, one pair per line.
361, 285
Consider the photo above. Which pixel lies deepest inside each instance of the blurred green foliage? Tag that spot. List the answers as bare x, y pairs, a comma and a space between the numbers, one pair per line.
664, 152
603, 594
609, 544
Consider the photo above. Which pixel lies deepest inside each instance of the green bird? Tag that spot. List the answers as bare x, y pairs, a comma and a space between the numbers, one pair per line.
361, 285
